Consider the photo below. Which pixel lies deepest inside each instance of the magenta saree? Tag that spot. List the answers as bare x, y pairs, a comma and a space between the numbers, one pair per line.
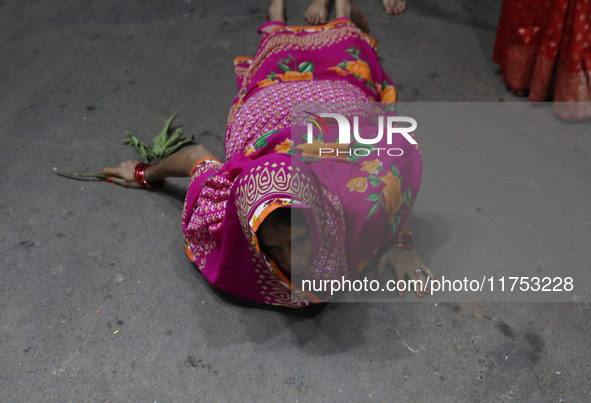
353, 205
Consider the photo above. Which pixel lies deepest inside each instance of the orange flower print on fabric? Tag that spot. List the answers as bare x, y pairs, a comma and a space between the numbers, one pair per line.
371, 167
388, 94
358, 184
392, 195
249, 151
284, 147
266, 82
329, 150
295, 76
359, 68
339, 71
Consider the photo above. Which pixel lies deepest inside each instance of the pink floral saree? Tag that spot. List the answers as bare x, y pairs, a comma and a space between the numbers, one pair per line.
353, 205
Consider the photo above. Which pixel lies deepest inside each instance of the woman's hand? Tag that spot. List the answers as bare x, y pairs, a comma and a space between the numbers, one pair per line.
123, 174
178, 164
407, 266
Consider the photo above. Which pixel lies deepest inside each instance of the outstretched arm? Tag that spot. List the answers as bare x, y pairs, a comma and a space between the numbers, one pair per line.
178, 164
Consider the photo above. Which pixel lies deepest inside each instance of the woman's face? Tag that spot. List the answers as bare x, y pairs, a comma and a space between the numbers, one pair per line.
289, 246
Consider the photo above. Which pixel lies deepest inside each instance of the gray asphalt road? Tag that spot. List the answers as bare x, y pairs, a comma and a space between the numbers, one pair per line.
98, 302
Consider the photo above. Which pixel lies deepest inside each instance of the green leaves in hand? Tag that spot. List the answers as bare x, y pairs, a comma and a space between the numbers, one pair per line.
164, 144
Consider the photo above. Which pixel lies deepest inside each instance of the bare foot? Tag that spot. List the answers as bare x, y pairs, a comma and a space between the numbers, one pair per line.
394, 7
348, 9
317, 13
276, 11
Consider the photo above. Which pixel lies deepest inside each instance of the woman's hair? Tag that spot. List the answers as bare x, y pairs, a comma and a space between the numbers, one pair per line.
284, 216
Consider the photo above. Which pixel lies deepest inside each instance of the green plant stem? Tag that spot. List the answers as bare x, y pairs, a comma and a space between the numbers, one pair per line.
81, 177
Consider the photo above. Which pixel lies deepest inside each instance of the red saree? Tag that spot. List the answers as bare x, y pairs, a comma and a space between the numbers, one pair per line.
544, 47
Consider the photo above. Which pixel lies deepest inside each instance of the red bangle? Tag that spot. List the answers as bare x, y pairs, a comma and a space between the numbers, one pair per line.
403, 239
139, 174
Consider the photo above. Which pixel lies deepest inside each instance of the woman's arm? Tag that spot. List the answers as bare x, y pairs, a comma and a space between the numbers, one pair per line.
178, 164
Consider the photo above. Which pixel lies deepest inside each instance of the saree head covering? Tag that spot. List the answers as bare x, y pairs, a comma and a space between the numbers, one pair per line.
352, 207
